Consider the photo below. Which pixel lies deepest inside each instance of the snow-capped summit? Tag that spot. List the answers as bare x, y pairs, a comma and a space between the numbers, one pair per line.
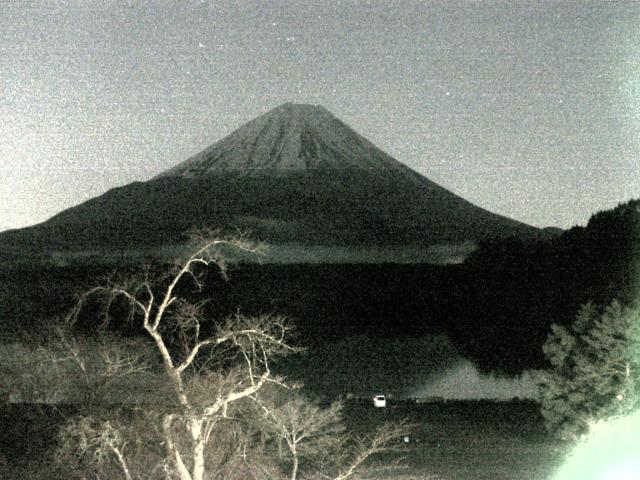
291, 137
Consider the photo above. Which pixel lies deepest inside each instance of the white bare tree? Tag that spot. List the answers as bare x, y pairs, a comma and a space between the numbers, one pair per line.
208, 366
304, 427
66, 368
319, 435
102, 443
354, 452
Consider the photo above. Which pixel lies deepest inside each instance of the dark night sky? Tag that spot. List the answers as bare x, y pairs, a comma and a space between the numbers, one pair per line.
527, 109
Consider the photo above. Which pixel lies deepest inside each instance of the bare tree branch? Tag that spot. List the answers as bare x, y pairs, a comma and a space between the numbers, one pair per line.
164, 313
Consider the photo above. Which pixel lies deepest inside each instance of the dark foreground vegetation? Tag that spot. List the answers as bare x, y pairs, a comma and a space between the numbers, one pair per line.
183, 397
455, 440
517, 290
498, 308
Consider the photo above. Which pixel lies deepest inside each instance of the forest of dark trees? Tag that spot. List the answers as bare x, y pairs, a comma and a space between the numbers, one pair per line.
515, 290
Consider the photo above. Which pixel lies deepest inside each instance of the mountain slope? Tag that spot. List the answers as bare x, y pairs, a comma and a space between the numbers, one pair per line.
288, 138
295, 174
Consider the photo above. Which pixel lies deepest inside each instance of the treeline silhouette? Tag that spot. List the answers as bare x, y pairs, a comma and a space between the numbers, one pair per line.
515, 290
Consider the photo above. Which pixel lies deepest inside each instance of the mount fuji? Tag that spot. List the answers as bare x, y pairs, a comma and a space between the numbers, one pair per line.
295, 175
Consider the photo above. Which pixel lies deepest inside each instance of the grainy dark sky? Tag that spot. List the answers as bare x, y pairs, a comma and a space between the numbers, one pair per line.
528, 109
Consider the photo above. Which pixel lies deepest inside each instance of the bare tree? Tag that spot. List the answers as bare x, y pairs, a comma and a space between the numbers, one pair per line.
195, 429
66, 368
100, 444
319, 435
195, 354
304, 427
354, 452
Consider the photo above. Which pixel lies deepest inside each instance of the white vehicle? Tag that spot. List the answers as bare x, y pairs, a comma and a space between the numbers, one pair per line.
379, 401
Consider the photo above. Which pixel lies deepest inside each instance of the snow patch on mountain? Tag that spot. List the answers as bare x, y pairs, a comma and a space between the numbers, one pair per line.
291, 137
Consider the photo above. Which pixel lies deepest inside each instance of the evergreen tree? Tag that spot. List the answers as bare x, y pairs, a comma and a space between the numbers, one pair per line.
594, 370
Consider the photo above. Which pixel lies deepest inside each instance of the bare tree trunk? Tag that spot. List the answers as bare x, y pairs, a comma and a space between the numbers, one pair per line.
294, 469
195, 425
123, 463
280, 453
172, 449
